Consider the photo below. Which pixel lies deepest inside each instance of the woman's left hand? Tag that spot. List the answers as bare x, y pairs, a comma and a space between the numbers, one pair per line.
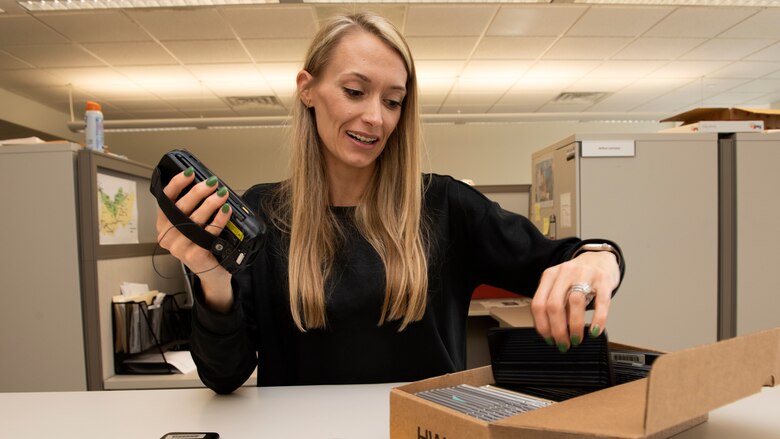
559, 303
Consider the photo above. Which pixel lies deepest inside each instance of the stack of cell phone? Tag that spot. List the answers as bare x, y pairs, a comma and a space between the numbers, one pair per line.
522, 361
488, 403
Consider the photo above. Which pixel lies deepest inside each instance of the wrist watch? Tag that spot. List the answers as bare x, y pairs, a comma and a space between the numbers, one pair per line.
597, 247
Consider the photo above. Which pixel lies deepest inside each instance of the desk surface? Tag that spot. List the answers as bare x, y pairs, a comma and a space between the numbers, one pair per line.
328, 412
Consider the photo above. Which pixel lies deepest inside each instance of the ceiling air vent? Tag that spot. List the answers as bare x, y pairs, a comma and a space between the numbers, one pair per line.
253, 101
579, 97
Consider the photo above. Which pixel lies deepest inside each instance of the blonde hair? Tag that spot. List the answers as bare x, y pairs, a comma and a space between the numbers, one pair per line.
389, 214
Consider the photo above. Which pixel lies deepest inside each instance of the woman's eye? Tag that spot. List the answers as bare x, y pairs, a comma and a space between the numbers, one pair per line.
393, 104
352, 92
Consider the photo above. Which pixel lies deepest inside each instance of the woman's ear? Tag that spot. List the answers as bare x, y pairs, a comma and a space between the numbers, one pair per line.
304, 82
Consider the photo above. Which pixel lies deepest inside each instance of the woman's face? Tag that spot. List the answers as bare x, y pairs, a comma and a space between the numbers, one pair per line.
357, 101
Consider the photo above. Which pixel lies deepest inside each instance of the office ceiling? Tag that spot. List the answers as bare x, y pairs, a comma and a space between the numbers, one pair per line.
473, 58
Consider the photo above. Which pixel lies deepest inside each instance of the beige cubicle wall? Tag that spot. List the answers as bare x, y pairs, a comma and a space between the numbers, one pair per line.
40, 317
660, 203
757, 231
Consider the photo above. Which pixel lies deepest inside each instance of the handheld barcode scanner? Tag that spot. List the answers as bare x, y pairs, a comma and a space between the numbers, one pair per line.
238, 243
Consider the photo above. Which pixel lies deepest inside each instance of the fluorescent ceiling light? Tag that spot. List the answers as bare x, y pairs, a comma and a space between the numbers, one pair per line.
429, 1
67, 5
134, 125
757, 3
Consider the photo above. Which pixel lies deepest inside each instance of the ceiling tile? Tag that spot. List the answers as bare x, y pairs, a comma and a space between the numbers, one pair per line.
55, 55
208, 113
59, 95
655, 86
761, 25
131, 54
278, 50
136, 105
525, 102
395, 13
555, 107
9, 62
699, 21
429, 98
464, 108
747, 69
273, 21
198, 104
95, 26
617, 20
225, 72
726, 49
731, 99
447, 20
758, 86
771, 53
493, 76
208, 51
547, 20
25, 78
658, 48
438, 69
585, 48
118, 91
441, 47
624, 69
438, 87
670, 103
280, 77
622, 101
591, 84
560, 69
162, 75
183, 23
512, 47
687, 69
26, 30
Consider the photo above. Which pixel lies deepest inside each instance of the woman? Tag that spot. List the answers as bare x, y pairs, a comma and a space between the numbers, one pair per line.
369, 265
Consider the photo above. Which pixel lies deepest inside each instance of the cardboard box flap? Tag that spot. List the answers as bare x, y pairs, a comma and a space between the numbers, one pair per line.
689, 383
770, 117
614, 412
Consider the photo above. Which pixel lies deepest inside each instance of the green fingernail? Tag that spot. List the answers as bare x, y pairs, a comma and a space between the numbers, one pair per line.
189, 171
549, 341
563, 347
222, 191
212, 181
575, 340
225, 208
594, 331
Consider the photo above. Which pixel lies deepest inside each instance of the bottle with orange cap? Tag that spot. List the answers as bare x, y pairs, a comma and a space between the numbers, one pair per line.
93, 132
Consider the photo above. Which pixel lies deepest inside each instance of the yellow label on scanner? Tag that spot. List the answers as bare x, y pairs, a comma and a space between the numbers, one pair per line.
232, 227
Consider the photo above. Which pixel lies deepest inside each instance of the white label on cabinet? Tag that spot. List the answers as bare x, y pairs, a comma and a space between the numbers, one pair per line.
608, 148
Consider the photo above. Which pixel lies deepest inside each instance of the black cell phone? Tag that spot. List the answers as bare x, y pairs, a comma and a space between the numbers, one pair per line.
192, 435
242, 237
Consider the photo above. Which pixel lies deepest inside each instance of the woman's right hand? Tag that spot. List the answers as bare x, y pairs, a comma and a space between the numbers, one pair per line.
199, 203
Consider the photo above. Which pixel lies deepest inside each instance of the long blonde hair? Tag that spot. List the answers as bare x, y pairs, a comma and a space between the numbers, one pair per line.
389, 214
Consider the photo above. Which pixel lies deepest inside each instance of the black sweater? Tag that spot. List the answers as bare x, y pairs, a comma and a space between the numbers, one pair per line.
472, 241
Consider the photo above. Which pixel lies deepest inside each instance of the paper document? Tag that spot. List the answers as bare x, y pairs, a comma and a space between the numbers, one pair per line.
181, 360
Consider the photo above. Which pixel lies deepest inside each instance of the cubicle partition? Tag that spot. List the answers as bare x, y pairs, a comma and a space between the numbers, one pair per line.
84, 223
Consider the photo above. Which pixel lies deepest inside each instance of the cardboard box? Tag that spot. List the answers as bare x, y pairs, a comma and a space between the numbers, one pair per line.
719, 126
771, 118
683, 387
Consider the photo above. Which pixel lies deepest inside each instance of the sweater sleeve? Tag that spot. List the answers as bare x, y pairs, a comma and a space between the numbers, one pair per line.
223, 345
505, 249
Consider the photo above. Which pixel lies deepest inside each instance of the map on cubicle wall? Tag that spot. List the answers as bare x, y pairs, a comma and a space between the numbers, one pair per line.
117, 210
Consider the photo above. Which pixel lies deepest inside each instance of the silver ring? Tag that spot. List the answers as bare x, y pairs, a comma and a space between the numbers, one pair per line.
585, 289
